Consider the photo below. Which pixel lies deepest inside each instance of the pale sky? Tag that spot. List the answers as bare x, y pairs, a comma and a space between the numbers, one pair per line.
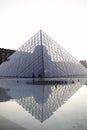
65, 21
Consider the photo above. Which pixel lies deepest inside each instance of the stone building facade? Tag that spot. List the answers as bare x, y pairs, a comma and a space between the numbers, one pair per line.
4, 54
84, 62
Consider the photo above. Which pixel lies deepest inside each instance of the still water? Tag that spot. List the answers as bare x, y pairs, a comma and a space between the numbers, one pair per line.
25, 106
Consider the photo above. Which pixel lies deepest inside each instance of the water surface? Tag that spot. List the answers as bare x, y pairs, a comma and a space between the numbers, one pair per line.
43, 107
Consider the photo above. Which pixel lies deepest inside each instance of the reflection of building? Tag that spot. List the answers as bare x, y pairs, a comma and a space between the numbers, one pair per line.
42, 56
40, 101
4, 54
4, 96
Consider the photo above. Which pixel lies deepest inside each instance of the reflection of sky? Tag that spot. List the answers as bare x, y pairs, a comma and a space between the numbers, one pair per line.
71, 115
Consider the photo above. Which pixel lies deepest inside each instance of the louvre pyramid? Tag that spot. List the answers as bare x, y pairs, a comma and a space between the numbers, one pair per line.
41, 55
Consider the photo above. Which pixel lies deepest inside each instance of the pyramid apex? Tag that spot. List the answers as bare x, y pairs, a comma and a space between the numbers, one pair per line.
40, 30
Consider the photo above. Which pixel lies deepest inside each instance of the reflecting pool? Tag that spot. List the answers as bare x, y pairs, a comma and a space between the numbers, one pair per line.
25, 106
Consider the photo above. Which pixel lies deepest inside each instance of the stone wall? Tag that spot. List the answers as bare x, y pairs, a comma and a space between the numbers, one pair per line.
4, 54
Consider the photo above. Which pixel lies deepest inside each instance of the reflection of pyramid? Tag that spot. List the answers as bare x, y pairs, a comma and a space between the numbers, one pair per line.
42, 56
41, 101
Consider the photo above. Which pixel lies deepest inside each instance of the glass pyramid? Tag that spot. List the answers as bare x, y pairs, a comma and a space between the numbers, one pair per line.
42, 56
